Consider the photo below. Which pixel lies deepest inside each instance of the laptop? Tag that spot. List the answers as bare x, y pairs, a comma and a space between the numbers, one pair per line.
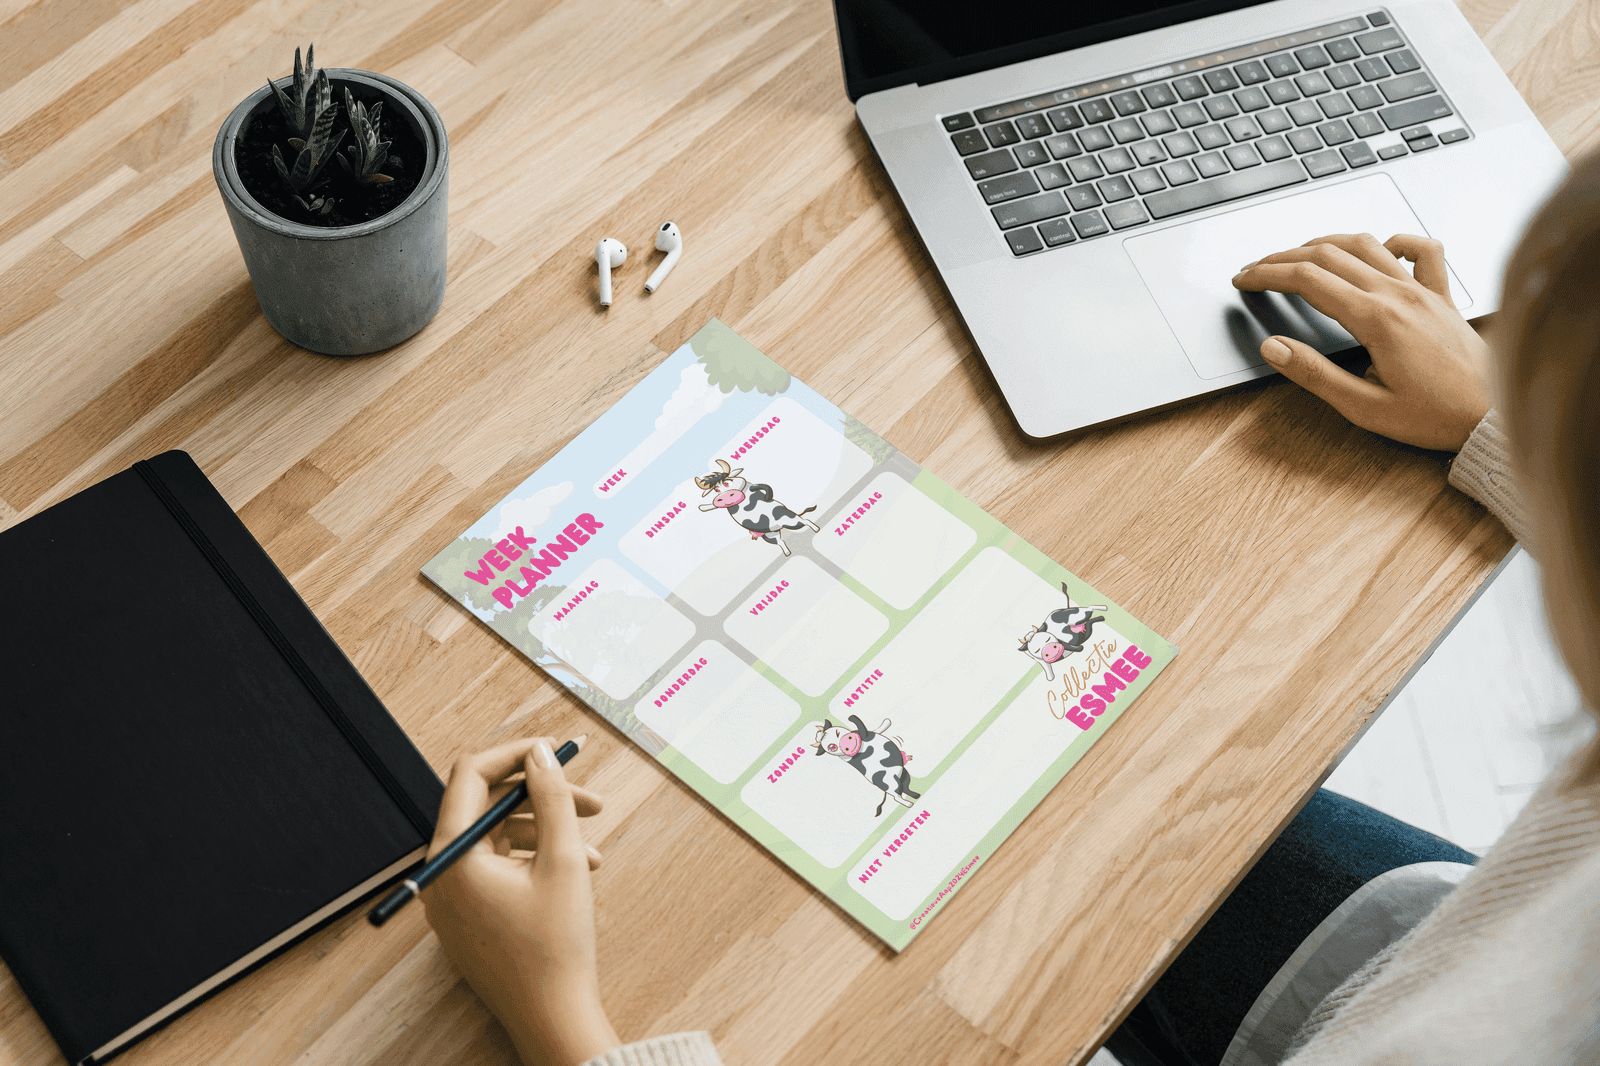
1088, 177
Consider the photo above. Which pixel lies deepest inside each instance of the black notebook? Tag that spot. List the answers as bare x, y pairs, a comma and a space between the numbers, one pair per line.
192, 774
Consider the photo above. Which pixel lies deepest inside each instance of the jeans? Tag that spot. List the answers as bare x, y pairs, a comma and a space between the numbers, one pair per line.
1333, 847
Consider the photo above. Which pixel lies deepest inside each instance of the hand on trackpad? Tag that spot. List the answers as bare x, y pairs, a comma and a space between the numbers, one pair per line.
1189, 268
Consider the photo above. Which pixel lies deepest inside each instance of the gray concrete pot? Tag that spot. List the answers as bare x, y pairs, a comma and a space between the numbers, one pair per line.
345, 290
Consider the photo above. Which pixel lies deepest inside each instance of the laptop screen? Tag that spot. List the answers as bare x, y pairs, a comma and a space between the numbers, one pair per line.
885, 43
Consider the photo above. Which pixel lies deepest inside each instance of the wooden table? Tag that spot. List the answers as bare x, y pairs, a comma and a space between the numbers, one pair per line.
1301, 564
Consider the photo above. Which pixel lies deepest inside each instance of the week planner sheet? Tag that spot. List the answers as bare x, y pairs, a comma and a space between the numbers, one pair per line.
868, 673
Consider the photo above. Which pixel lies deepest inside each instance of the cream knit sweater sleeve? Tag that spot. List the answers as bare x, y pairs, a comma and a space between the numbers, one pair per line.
1483, 471
679, 1049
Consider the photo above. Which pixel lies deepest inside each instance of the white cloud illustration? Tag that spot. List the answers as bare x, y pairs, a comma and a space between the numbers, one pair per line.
530, 512
694, 398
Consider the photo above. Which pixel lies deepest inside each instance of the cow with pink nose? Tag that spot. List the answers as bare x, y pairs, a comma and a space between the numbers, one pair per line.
1063, 632
878, 758
752, 506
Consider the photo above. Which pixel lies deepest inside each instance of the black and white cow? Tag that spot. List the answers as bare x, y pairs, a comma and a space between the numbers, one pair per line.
1062, 633
876, 757
752, 506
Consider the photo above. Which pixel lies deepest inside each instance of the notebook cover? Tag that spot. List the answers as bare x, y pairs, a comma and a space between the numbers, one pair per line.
172, 794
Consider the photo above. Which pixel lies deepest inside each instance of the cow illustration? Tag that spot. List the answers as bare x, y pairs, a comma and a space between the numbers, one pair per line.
878, 758
752, 506
1062, 633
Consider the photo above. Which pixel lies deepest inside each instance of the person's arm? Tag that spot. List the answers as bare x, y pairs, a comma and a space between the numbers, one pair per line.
1427, 384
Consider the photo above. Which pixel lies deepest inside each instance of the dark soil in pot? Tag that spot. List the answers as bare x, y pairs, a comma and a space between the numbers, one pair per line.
352, 202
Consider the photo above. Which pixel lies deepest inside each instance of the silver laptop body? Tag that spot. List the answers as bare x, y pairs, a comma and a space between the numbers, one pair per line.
1090, 309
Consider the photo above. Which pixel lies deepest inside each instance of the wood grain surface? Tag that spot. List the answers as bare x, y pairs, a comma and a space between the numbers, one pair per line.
1301, 564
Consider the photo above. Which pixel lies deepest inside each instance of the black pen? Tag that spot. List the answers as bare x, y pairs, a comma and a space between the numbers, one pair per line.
408, 889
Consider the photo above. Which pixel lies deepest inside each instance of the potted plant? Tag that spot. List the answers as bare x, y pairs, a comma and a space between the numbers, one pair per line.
346, 257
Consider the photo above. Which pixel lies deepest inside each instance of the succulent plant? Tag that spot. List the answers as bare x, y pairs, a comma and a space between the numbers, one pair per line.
368, 153
319, 146
310, 96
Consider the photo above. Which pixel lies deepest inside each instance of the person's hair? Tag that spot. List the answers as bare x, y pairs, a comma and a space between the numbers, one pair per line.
1548, 339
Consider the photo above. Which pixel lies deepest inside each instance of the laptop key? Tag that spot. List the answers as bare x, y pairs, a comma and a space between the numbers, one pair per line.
1056, 232
987, 166
1452, 136
1397, 89
1312, 57
1232, 186
1312, 83
1128, 103
1023, 241
1252, 72
1358, 155
1085, 168
1221, 80
1114, 189
962, 121
1281, 92
1415, 132
1274, 121
1146, 181
1001, 134
1180, 144
1335, 106
1366, 97
1305, 113
1211, 165
1116, 161
1378, 41
1053, 176
1282, 66
1305, 141
1378, 18
1413, 111
1273, 149
1403, 62
1157, 123
1243, 128
1321, 164
1343, 51
1335, 133
1187, 115
1083, 197
1394, 151
1148, 153
1241, 156
1251, 99
1064, 119
1212, 137
969, 141
1160, 96
1127, 130
1090, 224
1096, 111
1010, 187
1121, 216
1022, 212
1062, 146
1422, 144
1032, 127
1031, 154
1095, 138
1189, 88
1343, 77
1220, 107
1372, 69
1366, 125
1179, 172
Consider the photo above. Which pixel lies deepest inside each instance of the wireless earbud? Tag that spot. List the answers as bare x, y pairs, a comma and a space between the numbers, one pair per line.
668, 240
607, 254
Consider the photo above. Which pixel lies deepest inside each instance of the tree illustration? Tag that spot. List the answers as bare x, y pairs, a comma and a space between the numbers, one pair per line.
732, 362
460, 556
862, 437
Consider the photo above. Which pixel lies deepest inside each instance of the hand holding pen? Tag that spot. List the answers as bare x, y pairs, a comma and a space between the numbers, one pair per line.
520, 929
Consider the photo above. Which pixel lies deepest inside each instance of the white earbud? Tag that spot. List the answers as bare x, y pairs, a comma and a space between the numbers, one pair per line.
668, 240
607, 254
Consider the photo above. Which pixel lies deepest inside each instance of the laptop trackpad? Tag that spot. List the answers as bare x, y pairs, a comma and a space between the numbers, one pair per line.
1188, 269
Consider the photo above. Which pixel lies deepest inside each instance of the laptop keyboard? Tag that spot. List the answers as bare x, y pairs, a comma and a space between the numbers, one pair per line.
1083, 162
